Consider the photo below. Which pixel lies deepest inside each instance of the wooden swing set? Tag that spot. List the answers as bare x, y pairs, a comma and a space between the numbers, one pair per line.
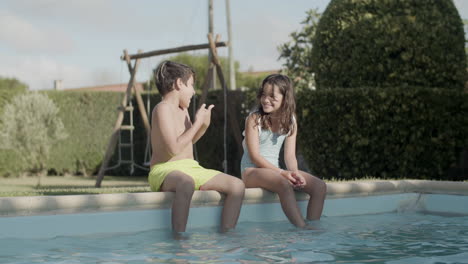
126, 105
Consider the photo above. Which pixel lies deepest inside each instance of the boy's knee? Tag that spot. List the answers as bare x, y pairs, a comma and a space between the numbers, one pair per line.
238, 186
186, 186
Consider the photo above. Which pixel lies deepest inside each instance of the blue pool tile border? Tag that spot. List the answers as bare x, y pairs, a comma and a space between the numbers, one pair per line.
51, 216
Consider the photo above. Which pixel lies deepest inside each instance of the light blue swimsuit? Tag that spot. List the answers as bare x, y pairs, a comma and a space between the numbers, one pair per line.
270, 147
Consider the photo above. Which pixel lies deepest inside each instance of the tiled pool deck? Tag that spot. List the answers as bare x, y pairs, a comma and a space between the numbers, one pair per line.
39, 216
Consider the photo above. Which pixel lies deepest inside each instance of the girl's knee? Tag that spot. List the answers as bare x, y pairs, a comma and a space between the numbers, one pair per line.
319, 187
322, 186
316, 186
285, 187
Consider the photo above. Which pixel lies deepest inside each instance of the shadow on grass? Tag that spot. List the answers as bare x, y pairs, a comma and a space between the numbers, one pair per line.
44, 187
71, 192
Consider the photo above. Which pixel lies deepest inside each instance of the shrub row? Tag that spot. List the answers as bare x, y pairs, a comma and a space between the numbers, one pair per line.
89, 118
344, 133
384, 133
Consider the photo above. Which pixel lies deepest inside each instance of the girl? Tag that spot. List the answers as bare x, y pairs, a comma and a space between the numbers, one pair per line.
266, 129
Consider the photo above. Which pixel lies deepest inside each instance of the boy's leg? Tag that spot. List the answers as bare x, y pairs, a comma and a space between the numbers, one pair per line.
234, 190
183, 186
272, 181
317, 190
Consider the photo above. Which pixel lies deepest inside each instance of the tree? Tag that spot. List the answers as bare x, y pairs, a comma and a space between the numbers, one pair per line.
465, 26
200, 65
384, 43
297, 52
12, 84
390, 43
30, 126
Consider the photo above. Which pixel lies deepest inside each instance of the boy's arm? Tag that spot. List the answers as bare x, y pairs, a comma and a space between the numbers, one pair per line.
163, 120
199, 133
206, 123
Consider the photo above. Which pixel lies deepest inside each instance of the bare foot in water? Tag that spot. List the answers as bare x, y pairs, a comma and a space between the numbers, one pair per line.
179, 235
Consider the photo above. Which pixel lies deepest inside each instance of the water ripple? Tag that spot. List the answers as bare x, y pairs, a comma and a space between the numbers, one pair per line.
385, 238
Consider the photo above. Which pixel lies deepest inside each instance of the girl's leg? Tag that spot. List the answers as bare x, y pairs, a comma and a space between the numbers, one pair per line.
234, 190
183, 186
272, 181
317, 190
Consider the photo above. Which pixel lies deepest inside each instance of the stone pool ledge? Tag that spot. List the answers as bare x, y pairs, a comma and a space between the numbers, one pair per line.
66, 204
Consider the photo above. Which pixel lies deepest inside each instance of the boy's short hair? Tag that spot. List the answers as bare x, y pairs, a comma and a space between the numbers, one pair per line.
167, 73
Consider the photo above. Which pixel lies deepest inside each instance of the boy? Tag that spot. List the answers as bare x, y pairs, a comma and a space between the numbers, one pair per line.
173, 168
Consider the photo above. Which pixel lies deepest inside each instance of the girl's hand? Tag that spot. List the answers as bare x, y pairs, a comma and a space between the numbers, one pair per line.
289, 176
300, 181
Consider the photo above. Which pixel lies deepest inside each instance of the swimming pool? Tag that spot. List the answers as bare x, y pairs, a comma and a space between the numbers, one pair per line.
377, 238
381, 222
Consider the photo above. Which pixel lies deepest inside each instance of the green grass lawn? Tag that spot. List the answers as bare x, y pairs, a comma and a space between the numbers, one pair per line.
60, 185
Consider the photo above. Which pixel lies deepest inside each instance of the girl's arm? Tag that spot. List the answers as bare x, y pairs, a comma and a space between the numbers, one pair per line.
291, 160
290, 150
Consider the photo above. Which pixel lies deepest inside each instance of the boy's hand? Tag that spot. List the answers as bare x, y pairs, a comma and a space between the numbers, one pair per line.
204, 115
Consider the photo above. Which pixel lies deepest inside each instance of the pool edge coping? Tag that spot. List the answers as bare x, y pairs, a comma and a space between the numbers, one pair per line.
66, 204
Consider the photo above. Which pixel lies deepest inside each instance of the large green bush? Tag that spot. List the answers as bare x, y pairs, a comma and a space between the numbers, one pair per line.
88, 118
9, 88
389, 43
30, 127
384, 133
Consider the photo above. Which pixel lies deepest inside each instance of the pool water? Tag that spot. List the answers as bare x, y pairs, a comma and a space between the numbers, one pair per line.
380, 238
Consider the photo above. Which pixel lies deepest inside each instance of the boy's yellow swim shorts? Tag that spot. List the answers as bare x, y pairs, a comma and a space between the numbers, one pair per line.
190, 167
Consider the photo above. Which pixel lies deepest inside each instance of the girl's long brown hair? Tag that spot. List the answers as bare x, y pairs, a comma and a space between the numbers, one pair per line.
288, 106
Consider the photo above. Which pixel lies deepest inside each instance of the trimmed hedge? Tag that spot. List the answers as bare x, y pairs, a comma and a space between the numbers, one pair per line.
384, 133
89, 118
344, 133
389, 43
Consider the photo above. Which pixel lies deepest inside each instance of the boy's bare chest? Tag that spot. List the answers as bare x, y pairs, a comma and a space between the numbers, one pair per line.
181, 123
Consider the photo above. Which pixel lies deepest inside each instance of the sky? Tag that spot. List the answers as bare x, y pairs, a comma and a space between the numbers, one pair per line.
80, 41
